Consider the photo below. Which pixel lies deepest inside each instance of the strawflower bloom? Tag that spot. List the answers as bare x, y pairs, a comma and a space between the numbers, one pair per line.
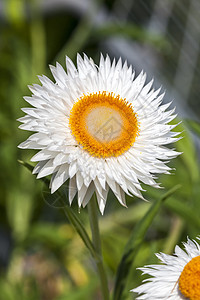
100, 127
177, 278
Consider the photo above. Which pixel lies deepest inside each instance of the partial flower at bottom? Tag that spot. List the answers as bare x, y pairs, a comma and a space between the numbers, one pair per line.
177, 278
100, 128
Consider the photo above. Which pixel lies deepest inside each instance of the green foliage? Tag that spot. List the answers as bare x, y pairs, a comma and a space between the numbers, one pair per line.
193, 125
132, 32
47, 259
134, 243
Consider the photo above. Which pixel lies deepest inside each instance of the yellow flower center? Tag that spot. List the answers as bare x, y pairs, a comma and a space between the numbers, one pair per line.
103, 124
189, 281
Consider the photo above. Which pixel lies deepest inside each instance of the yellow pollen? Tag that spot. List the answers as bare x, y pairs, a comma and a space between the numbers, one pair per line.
103, 124
189, 281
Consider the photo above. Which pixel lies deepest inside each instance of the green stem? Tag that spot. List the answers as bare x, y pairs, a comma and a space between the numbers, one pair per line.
93, 217
95, 246
38, 42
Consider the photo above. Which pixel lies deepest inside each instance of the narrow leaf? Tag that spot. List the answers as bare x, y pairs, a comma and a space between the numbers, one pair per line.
134, 243
193, 125
74, 220
182, 209
189, 156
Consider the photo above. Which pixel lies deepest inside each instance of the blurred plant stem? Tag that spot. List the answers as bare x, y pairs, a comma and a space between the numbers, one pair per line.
15, 11
174, 235
93, 217
38, 41
81, 33
95, 247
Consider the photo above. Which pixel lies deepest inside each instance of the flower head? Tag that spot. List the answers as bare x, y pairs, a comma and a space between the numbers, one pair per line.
178, 278
99, 127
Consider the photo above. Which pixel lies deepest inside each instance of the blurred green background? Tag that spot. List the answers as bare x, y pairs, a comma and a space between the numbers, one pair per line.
41, 256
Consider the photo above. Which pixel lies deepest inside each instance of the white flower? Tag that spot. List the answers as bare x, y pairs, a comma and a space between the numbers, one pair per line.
178, 278
99, 127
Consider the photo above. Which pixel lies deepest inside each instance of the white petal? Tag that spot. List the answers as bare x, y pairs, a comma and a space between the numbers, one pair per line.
61, 176
101, 199
72, 189
163, 283
88, 195
47, 169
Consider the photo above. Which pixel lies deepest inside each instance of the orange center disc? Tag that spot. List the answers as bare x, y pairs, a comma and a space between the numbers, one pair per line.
189, 281
103, 124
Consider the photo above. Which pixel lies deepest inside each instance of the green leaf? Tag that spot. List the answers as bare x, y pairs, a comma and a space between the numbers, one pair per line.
19, 211
134, 243
184, 210
189, 157
30, 168
131, 31
193, 125
81, 231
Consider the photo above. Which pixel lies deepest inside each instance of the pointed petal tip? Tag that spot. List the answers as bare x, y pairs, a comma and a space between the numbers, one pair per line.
21, 146
102, 211
52, 190
102, 207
